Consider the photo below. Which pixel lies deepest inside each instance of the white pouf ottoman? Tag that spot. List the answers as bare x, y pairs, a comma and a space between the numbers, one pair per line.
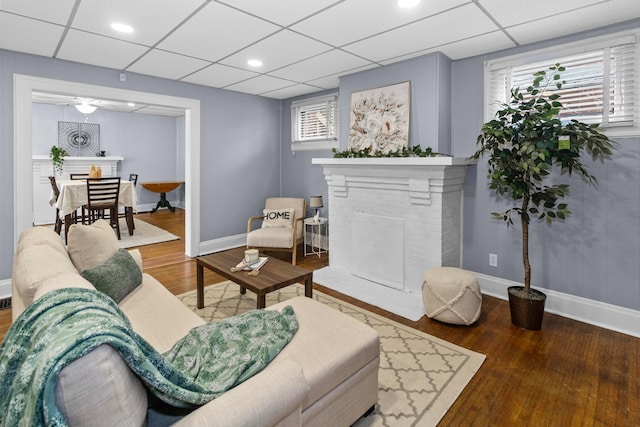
451, 295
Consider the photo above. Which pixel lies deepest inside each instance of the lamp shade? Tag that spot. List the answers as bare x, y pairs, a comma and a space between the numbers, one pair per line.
315, 202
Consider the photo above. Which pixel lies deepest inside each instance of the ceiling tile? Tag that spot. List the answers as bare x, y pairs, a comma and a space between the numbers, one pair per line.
484, 43
326, 64
216, 32
97, 50
292, 91
354, 20
218, 75
27, 35
150, 21
579, 20
326, 82
472, 46
431, 32
166, 64
55, 11
507, 15
282, 12
272, 53
260, 84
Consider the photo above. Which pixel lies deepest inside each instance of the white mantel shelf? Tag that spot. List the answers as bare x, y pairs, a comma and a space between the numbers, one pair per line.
395, 161
391, 219
80, 159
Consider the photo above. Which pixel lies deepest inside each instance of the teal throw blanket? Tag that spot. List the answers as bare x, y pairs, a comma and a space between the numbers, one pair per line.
66, 324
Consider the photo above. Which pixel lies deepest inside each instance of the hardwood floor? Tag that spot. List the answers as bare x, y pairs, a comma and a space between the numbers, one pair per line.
568, 374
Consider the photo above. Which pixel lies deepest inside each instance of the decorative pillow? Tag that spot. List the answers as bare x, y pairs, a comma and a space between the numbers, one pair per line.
116, 277
91, 245
278, 218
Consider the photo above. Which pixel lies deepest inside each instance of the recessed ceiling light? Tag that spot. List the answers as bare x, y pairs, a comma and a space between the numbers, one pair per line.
254, 63
408, 3
131, 104
121, 27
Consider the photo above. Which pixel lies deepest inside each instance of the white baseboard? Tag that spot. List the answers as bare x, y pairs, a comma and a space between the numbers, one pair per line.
5, 288
608, 316
222, 244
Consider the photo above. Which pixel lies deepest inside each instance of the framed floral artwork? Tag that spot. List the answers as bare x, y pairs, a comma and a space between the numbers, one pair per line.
379, 119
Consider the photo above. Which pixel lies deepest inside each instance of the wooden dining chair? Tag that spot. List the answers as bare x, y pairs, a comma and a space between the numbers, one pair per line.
80, 176
56, 192
102, 196
128, 211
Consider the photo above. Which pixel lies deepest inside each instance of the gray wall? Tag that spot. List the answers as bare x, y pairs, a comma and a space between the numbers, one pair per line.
299, 177
595, 253
429, 121
240, 143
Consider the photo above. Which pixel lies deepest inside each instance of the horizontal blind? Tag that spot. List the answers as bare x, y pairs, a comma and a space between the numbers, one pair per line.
314, 120
600, 84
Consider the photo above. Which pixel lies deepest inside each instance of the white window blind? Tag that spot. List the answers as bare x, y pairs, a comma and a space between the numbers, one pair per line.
601, 80
314, 120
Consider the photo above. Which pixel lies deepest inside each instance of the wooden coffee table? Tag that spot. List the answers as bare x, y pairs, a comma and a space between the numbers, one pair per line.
275, 274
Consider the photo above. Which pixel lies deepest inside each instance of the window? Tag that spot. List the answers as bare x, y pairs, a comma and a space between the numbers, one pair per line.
314, 123
600, 77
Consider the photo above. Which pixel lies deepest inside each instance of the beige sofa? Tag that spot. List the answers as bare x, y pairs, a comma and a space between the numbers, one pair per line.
326, 376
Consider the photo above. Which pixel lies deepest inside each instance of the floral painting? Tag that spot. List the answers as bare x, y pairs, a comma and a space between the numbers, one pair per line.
379, 119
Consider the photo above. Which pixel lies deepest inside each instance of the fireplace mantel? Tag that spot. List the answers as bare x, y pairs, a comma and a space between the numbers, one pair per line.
390, 220
394, 161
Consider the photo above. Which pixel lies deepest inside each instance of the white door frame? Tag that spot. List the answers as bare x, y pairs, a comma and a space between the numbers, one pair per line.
24, 86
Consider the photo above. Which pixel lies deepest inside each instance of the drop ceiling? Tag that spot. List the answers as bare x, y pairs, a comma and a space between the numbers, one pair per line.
305, 46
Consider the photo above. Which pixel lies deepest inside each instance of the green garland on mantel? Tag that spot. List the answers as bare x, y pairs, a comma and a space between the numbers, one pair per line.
404, 152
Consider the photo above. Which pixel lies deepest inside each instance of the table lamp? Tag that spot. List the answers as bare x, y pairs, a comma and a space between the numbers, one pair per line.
316, 202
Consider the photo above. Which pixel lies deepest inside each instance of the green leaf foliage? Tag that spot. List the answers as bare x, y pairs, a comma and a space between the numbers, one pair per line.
521, 144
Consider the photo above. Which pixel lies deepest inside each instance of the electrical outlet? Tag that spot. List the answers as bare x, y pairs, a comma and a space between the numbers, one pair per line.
123, 77
493, 260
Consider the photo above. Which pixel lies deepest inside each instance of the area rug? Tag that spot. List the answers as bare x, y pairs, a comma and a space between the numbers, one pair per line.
143, 234
420, 375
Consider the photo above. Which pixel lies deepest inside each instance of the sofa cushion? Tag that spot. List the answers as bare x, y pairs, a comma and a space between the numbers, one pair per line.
99, 389
91, 245
278, 218
337, 345
271, 237
118, 276
60, 281
41, 236
36, 264
157, 315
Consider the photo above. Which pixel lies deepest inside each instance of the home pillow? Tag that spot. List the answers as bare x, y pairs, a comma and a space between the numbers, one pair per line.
91, 245
278, 218
116, 277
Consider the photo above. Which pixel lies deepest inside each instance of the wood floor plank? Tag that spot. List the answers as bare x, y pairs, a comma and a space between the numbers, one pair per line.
567, 374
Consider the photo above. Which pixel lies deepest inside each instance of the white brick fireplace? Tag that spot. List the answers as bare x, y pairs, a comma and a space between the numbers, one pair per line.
390, 220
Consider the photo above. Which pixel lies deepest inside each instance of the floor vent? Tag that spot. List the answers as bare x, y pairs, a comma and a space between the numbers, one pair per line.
5, 303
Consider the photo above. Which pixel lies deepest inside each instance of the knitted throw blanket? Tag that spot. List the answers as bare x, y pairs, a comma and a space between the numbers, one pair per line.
66, 324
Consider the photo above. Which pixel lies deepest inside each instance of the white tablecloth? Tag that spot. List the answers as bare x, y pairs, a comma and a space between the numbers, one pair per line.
73, 195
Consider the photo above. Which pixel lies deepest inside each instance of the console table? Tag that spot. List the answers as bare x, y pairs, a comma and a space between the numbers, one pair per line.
162, 187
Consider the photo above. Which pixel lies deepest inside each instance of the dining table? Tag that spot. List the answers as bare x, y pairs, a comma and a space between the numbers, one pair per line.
73, 195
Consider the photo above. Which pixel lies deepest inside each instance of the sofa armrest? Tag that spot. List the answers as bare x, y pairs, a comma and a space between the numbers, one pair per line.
272, 397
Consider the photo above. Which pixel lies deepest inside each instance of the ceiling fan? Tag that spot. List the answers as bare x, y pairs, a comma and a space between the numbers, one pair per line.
85, 105
82, 104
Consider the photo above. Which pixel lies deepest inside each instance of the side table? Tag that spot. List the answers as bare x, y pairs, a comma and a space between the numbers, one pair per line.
318, 230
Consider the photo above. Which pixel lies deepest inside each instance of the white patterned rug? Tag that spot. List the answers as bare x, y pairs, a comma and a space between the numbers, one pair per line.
420, 375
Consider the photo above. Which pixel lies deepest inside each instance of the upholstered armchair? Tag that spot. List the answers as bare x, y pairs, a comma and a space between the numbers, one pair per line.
282, 226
